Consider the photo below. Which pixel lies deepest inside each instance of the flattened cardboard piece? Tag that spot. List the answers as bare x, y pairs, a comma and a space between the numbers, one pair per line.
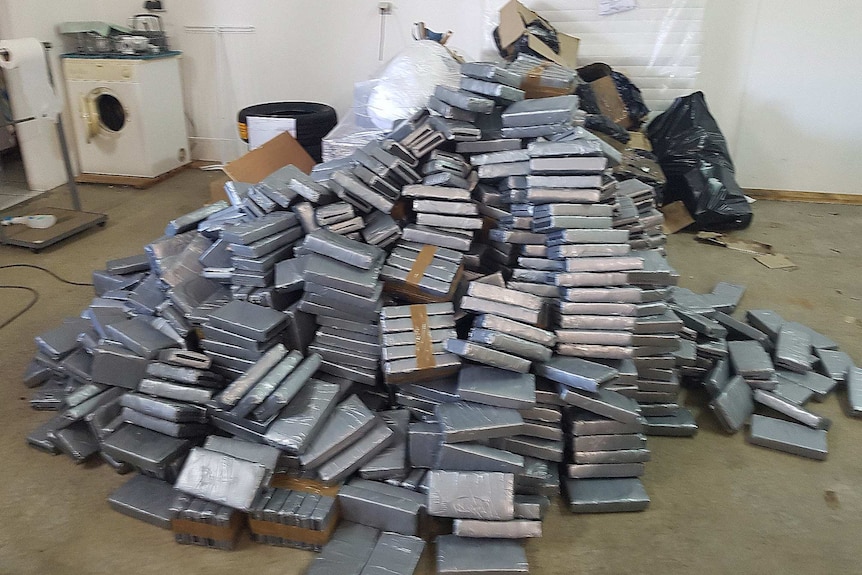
740, 245
676, 217
776, 262
261, 162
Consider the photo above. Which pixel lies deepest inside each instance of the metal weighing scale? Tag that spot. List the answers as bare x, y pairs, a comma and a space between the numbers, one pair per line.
69, 222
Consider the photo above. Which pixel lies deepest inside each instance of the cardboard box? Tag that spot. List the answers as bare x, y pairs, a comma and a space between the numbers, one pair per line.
514, 18
598, 76
261, 162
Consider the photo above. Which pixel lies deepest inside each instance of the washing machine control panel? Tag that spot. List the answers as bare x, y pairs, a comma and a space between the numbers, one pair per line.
101, 70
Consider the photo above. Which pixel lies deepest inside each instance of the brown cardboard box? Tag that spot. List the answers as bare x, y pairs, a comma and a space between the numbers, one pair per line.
610, 103
514, 18
261, 162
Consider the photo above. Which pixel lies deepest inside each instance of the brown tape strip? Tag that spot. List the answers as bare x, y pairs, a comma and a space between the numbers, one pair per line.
423, 260
207, 531
532, 84
536, 71
422, 337
285, 481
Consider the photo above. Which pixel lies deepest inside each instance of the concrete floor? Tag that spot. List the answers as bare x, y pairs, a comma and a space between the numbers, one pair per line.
718, 504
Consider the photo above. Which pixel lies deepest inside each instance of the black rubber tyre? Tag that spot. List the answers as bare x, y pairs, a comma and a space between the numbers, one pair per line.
315, 152
313, 120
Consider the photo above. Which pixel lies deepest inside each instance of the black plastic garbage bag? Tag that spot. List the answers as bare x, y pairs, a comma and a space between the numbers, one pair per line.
605, 125
693, 154
631, 96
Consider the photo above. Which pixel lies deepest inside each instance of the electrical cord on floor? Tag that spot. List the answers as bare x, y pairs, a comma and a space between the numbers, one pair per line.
26, 308
33, 291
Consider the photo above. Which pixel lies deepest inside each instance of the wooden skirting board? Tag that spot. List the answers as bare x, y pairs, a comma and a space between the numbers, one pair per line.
810, 197
132, 181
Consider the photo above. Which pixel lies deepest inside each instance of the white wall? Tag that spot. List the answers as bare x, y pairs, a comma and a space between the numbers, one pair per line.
299, 50
774, 71
800, 123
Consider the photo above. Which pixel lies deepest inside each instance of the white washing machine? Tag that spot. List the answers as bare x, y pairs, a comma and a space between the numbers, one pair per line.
127, 114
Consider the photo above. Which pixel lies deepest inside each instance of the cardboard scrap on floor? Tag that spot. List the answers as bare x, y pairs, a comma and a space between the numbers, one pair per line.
776, 262
740, 245
765, 254
676, 217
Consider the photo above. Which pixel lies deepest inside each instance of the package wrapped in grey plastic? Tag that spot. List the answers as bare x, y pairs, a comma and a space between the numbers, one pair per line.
460, 555
606, 495
394, 554
338, 247
497, 387
788, 437
350, 420
486, 355
144, 498
359, 453
255, 452
347, 552
515, 328
477, 457
380, 510
300, 421
471, 495
734, 405
238, 482
515, 529
510, 344
392, 461
464, 421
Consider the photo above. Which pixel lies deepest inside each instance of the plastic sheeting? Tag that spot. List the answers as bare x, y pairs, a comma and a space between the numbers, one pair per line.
657, 45
401, 89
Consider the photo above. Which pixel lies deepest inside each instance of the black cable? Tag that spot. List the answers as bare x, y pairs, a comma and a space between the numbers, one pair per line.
32, 291
33, 301
47, 271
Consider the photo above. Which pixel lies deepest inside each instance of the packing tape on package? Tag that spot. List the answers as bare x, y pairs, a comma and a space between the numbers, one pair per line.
422, 337
423, 260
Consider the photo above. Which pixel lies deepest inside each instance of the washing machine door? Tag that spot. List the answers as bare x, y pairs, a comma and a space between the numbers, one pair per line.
103, 114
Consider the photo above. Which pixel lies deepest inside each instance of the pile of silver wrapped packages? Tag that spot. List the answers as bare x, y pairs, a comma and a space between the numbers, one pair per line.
439, 333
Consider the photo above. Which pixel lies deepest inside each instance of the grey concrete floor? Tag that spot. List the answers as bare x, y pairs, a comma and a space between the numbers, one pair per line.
718, 505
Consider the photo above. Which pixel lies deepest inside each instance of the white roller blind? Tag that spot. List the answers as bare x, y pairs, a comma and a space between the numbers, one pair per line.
657, 45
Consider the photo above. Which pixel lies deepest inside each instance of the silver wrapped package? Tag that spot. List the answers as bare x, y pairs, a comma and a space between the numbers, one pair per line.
497, 387
510, 344
477, 457
350, 420
604, 402
515, 529
380, 510
302, 418
347, 552
577, 373
464, 421
394, 554
606, 495
791, 409
486, 355
460, 556
359, 453
788, 437
515, 328
221, 478
255, 452
471, 495
145, 498
734, 405
392, 461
